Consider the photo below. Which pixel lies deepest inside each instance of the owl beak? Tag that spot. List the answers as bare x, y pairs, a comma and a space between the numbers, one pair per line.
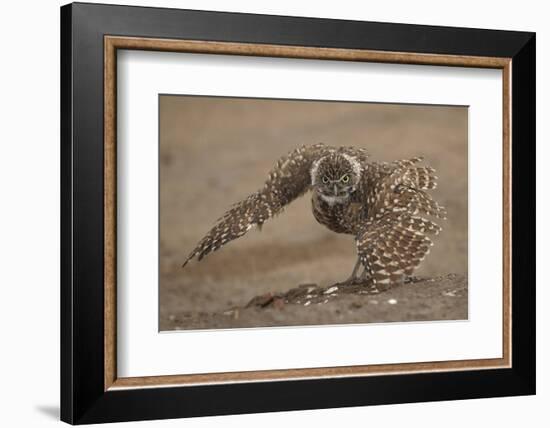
335, 190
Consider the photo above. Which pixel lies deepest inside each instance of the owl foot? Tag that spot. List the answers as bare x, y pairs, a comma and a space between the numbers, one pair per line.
349, 282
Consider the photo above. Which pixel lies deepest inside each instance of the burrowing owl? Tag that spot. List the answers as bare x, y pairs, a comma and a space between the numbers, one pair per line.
380, 204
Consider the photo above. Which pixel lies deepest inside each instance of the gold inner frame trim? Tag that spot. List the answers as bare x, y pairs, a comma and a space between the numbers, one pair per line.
113, 43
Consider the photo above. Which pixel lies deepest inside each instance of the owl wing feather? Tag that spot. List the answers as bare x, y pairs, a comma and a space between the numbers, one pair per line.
395, 238
288, 180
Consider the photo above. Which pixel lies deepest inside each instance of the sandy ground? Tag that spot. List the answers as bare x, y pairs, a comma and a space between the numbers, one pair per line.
216, 151
424, 299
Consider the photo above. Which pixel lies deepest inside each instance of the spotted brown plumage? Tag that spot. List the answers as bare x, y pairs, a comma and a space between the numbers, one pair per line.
384, 205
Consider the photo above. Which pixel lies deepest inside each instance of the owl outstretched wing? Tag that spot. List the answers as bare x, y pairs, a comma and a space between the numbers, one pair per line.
288, 180
395, 237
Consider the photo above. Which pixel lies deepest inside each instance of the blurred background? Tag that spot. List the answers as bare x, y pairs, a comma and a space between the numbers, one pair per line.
216, 151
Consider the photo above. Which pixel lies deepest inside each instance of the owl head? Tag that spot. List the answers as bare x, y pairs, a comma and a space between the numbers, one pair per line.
335, 177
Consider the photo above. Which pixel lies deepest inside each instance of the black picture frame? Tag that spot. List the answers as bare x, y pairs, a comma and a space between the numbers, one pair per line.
83, 398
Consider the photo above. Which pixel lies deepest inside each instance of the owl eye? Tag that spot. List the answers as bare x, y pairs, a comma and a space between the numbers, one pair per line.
325, 179
345, 179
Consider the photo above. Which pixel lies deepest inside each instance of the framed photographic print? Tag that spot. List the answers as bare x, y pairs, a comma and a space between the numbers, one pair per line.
265, 213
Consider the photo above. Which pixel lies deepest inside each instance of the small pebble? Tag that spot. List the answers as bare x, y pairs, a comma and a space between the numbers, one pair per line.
392, 301
330, 290
171, 317
307, 303
373, 302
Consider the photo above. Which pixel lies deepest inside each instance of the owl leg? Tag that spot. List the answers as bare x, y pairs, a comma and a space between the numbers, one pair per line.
354, 274
355, 269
